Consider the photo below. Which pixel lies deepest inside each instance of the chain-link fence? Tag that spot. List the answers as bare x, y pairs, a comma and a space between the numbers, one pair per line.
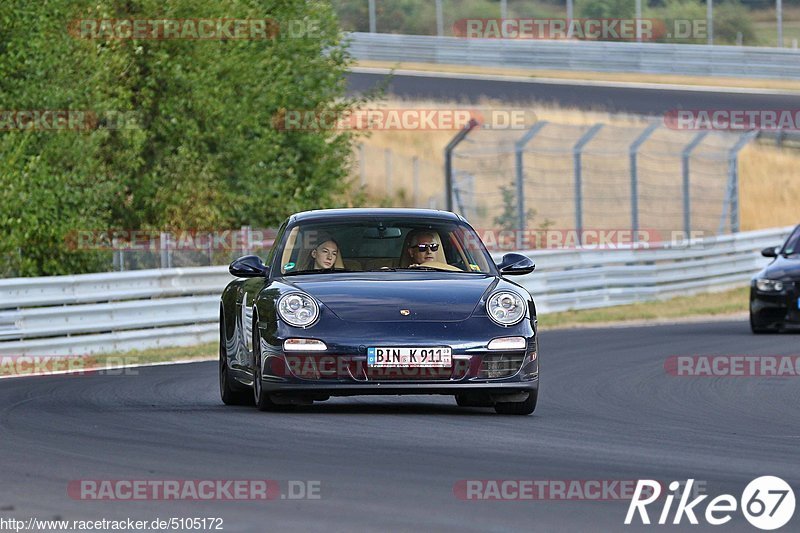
567, 177
393, 179
600, 176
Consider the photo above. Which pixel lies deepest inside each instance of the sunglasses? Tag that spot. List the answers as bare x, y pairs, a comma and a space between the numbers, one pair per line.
422, 247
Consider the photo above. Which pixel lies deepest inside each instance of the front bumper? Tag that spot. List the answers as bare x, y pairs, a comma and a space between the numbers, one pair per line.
776, 308
492, 373
342, 370
474, 368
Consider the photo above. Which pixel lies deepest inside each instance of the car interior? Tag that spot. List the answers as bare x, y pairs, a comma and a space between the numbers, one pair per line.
361, 248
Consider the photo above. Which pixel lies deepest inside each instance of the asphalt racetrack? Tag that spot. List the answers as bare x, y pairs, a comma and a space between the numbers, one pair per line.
607, 411
642, 100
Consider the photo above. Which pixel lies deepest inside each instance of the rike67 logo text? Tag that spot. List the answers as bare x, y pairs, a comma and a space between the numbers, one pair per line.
767, 502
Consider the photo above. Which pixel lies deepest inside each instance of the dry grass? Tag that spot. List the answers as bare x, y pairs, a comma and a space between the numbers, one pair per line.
770, 187
731, 302
745, 83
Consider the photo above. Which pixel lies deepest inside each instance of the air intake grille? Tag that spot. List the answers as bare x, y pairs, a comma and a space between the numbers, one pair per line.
500, 365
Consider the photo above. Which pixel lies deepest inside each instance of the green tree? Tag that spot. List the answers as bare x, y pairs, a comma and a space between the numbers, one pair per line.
201, 149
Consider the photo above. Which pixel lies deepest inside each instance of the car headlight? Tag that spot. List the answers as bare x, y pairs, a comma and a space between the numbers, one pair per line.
505, 308
298, 309
769, 285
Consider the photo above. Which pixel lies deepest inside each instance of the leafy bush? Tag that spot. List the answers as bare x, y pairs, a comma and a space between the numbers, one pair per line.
201, 150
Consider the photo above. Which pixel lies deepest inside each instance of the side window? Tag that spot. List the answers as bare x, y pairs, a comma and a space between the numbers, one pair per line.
275, 244
793, 243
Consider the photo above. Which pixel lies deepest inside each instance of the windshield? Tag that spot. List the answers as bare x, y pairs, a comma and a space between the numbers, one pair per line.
792, 246
385, 245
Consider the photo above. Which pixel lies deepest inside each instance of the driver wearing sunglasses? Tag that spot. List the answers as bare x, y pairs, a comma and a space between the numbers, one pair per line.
423, 248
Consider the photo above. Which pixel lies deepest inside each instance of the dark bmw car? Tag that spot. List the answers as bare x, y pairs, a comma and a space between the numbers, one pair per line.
378, 301
775, 291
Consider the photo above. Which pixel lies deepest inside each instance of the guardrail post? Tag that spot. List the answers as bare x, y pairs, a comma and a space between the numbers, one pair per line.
687, 205
519, 148
635, 178
448, 161
578, 170
731, 205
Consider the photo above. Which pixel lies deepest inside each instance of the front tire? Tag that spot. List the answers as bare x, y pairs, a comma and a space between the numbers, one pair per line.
518, 408
262, 400
758, 329
227, 392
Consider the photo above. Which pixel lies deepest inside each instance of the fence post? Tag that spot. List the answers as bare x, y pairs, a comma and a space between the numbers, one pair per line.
166, 256
245, 236
687, 202
388, 171
415, 177
635, 178
439, 19
448, 161
362, 164
732, 195
577, 151
519, 148
372, 23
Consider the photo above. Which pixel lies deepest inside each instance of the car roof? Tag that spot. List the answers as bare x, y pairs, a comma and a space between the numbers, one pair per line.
374, 212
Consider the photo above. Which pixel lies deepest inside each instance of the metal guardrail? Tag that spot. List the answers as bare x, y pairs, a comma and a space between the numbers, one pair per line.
585, 279
643, 58
117, 311
121, 311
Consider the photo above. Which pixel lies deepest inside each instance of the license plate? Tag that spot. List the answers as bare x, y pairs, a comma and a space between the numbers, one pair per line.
440, 356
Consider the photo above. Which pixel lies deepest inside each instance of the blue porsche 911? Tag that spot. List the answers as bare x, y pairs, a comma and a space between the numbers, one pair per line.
378, 301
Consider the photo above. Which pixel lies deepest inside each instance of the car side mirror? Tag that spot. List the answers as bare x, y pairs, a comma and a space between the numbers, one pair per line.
249, 266
516, 265
771, 251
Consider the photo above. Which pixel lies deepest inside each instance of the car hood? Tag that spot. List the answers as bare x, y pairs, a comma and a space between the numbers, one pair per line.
376, 297
783, 268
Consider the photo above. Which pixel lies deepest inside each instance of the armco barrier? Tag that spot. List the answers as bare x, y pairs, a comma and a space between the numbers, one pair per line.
643, 58
120, 311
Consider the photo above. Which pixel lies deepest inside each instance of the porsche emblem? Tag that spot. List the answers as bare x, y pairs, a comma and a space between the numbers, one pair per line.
405, 312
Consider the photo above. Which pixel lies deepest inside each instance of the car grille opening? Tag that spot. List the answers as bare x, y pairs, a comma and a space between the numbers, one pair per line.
500, 365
